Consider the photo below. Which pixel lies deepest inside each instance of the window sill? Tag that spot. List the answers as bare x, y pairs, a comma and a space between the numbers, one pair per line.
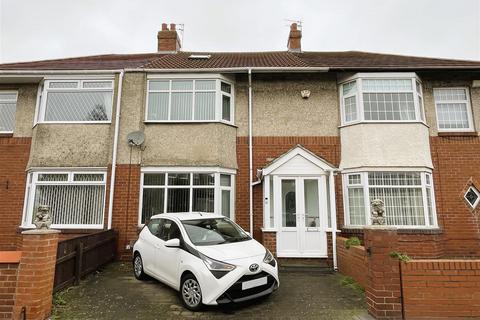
382, 122
63, 230
400, 230
458, 134
6, 134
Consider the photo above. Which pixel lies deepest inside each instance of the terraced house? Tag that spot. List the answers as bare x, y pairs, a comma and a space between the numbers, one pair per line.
291, 145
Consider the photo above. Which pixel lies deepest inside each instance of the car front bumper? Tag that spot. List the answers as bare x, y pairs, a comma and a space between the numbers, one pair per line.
236, 294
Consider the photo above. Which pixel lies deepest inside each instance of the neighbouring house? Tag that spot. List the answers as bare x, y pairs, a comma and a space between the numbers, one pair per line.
291, 145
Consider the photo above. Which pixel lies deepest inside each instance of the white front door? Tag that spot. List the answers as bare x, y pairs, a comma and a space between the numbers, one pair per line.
301, 212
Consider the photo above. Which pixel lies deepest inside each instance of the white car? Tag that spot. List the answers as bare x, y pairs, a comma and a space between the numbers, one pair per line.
207, 257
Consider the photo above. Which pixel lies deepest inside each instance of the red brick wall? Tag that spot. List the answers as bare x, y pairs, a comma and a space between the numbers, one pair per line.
269, 240
8, 282
421, 245
441, 289
352, 262
266, 149
125, 207
456, 162
14, 154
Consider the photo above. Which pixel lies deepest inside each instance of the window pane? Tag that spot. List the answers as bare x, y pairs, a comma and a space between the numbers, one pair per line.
178, 200
225, 87
354, 179
179, 179
403, 206
97, 84
205, 106
78, 106
452, 116
226, 203
380, 85
225, 180
272, 206
226, 110
349, 88
63, 85
289, 206
205, 85
389, 106
154, 179
394, 178
356, 206
7, 116
429, 206
152, 203
450, 94
350, 109
181, 106
72, 204
159, 85
203, 179
8, 97
88, 177
52, 177
203, 200
182, 84
312, 212
158, 106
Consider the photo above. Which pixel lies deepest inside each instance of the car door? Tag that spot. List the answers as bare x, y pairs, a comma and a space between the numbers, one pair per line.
150, 239
167, 259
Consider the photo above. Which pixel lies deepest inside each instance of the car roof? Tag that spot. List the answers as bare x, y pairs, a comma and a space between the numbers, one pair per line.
188, 215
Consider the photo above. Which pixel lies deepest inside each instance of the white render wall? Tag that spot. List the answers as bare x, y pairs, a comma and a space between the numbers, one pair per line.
385, 145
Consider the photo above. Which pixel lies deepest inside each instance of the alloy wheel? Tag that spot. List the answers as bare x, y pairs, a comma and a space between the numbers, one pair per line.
191, 293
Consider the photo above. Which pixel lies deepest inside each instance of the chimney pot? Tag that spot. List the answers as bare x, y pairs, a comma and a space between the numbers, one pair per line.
294, 38
168, 40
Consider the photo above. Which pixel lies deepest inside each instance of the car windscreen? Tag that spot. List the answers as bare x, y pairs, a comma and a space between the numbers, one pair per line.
207, 232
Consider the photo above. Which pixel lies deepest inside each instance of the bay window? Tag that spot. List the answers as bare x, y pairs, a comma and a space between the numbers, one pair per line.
381, 98
76, 199
454, 112
76, 101
188, 190
408, 198
8, 107
189, 100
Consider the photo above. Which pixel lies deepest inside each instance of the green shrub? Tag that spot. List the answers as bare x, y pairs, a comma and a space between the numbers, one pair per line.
352, 241
351, 283
400, 256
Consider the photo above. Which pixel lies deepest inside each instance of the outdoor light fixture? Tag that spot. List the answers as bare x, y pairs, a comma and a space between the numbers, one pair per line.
305, 94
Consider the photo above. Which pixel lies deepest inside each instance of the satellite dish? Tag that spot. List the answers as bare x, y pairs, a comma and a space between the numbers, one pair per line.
136, 138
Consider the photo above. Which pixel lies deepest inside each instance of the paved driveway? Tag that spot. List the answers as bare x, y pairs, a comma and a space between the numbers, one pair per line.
115, 294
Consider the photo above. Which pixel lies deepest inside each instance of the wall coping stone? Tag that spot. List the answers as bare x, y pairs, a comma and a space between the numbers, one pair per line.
40, 231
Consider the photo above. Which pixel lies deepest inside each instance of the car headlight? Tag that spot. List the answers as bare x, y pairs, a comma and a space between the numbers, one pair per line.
269, 258
217, 268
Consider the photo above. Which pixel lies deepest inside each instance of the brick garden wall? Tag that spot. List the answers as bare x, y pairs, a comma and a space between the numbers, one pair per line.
8, 280
441, 289
352, 262
14, 154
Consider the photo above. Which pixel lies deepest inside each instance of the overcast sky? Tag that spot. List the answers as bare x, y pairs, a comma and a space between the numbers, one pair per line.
44, 29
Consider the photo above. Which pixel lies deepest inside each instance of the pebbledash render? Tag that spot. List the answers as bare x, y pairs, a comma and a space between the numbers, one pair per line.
291, 145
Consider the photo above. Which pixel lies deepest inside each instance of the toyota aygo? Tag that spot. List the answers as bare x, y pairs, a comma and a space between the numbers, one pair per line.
207, 257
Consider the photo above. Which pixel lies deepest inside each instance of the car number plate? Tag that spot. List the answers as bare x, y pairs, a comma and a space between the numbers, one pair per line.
254, 283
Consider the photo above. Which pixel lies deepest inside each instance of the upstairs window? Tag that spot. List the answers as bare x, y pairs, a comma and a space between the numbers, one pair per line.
8, 106
381, 98
189, 100
454, 112
76, 101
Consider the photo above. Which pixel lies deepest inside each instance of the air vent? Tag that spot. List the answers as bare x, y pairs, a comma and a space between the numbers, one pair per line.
199, 56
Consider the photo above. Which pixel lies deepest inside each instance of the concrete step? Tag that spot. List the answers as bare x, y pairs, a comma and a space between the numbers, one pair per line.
305, 268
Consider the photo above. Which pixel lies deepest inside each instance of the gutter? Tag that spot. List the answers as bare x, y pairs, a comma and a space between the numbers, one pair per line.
333, 215
47, 72
115, 147
233, 70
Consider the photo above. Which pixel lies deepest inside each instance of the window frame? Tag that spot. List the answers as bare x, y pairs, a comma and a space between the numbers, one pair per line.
194, 77
217, 171
32, 183
471, 125
366, 193
44, 90
358, 77
477, 192
16, 105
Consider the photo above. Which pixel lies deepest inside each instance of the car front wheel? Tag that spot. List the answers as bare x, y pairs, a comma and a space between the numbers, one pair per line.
191, 293
138, 267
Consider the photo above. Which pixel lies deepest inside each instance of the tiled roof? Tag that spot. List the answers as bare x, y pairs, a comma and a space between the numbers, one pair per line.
347, 60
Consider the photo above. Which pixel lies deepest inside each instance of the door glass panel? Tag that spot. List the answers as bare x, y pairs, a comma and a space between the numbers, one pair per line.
289, 206
312, 217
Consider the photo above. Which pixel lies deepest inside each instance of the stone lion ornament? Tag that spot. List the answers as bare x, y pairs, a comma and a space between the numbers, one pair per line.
378, 209
43, 219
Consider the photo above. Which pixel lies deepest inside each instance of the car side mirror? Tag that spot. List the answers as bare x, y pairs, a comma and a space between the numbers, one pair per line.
172, 243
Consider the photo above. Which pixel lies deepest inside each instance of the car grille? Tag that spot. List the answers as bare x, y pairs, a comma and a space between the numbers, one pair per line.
235, 292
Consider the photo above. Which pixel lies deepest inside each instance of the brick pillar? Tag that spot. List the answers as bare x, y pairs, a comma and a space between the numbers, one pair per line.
383, 290
269, 240
36, 273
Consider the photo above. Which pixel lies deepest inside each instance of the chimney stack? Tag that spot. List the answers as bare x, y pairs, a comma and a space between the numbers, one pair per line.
168, 40
294, 39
